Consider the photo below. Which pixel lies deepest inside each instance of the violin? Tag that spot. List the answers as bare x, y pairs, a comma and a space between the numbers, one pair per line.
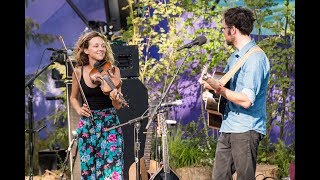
110, 78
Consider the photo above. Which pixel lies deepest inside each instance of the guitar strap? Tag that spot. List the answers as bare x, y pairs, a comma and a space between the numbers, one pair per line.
224, 79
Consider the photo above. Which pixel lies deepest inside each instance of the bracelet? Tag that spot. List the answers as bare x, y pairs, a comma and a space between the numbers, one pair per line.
110, 98
218, 89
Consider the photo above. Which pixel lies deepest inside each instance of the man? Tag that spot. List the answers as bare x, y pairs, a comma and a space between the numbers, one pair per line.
244, 119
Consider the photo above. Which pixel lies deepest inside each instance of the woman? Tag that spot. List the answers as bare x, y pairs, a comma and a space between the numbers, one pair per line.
100, 150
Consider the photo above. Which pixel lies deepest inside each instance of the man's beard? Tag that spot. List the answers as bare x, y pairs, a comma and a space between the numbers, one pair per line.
230, 41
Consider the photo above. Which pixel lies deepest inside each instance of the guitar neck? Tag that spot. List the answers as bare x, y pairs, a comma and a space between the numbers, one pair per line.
147, 147
165, 157
165, 154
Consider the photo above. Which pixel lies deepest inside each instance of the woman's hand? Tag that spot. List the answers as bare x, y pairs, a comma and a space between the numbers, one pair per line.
115, 95
115, 98
84, 111
97, 78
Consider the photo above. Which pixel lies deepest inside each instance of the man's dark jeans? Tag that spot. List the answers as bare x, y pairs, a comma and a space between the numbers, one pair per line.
236, 152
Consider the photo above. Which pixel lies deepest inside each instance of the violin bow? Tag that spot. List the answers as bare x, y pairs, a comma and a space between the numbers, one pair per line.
73, 69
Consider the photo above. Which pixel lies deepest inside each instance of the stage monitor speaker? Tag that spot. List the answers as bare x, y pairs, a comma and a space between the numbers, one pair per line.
136, 95
127, 59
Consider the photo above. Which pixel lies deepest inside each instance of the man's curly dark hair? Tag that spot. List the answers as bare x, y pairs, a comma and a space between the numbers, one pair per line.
241, 18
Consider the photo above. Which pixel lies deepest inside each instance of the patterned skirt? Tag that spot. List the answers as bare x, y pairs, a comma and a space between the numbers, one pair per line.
100, 149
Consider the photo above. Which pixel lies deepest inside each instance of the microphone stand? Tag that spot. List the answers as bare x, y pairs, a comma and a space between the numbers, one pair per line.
31, 131
165, 93
136, 120
137, 126
67, 157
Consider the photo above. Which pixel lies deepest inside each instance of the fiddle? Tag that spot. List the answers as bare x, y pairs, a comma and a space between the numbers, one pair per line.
108, 76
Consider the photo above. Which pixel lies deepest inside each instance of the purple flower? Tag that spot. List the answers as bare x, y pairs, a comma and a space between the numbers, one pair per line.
187, 15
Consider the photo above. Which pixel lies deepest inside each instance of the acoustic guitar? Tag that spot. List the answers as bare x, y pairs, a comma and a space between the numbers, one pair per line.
216, 104
147, 166
164, 172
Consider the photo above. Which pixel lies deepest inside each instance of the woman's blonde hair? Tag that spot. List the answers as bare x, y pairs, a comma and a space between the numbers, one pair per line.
83, 43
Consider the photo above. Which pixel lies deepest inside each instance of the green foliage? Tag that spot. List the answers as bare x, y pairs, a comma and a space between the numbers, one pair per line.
283, 157
277, 154
37, 38
188, 147
146, 32
146, 27
281, 51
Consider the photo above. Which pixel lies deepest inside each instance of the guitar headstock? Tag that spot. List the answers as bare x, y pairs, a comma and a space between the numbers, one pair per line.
204, 72
161, 123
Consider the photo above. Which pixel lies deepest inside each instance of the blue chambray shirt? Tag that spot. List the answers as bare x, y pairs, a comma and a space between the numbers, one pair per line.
251, 79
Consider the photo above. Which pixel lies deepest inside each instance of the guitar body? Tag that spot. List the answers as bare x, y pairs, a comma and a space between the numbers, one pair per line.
147, 166
216, 105
215, 108
160, 175
164, 172
144, 173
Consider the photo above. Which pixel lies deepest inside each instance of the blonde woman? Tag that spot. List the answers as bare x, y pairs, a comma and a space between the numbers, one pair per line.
100, 150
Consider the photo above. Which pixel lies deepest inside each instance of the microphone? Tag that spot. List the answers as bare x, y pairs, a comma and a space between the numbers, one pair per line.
198, 41
174, 103
63, 51
171, 121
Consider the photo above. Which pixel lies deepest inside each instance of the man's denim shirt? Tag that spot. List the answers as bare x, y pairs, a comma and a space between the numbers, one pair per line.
251, 79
